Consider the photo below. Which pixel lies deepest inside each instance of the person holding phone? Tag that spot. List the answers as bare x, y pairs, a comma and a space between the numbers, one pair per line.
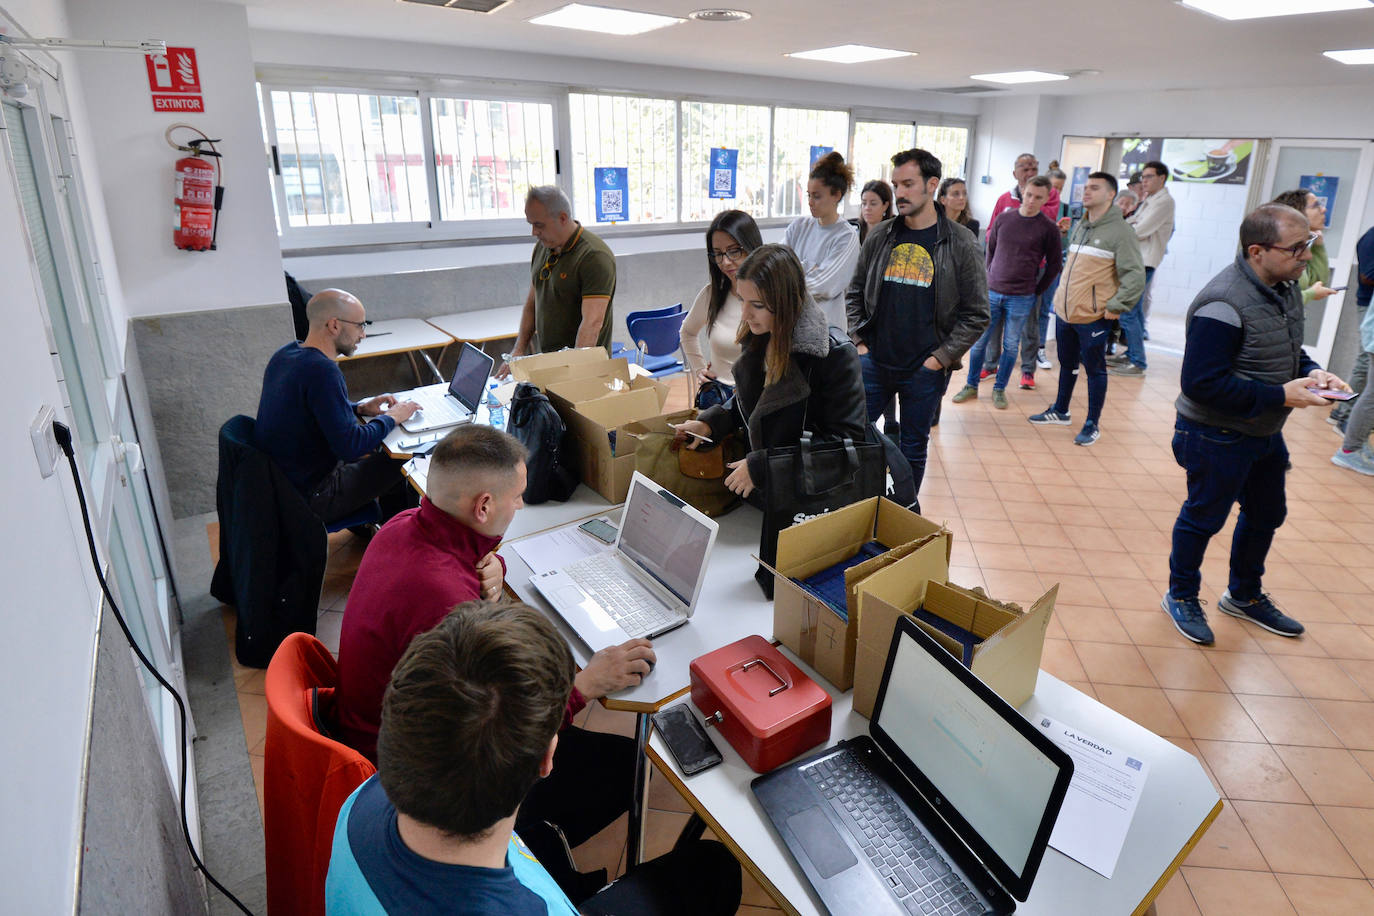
1318, 270
717, 309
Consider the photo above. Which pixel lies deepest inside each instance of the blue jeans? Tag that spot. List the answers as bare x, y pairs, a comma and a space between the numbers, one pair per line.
1224, 467
1038, 331
1010, 312
918, 396
1133, 325
1082, 345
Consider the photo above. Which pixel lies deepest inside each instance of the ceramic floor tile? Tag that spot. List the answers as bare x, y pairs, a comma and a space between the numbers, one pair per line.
1109, 663
1219, 892
1151, 627
1227, 844
253, 710
1247, 672
606, 849
1288, 720
1050, 562
1329, 775
1185, 668
1060, 659
1251, 771
1176, 899
1355, 829
1353, 723
1214, 716
1295, 839
1314, 896
1147, 706
1090, 624
1342, 640
327, 630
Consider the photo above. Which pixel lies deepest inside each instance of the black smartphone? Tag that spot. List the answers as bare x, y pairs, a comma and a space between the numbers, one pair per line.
601, 529
691, 747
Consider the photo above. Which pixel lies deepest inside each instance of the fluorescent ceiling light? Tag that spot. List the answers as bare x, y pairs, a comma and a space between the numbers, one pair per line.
850, 54
1019, 76
1353, 56
604, 19
1262, 9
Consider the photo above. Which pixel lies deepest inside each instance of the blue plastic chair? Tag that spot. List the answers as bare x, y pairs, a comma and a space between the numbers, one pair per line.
658, 341
370, 514
619, 349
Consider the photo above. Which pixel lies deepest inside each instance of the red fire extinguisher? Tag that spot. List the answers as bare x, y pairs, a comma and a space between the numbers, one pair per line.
199, 194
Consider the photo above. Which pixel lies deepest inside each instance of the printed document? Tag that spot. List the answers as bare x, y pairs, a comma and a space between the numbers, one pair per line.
557, 548
1102, 797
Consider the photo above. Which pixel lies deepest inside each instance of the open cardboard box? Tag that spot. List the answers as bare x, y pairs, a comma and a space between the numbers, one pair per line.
542, 369
593, 406
1009, 642
810, 627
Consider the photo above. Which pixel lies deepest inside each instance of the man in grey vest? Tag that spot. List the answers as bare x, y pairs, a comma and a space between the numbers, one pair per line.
1244, 369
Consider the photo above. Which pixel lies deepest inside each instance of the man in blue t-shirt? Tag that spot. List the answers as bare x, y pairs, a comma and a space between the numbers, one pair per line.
327, 445
469, 723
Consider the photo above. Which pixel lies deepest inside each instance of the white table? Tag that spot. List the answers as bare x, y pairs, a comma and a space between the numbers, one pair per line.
481, 325
403, 335
1176, 807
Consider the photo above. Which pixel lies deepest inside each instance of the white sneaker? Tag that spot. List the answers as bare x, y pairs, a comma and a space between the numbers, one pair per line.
1042, 361
1359, 461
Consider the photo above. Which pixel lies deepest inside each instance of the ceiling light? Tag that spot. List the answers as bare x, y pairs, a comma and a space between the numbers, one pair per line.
1019, 76
1353, 56
850, 54
604, 19
719, 14
1262, 9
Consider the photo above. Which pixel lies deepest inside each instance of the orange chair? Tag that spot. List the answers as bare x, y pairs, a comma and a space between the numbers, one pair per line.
307, 775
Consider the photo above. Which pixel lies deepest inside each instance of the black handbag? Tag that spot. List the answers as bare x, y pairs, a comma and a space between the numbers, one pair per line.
540, 429
713, 392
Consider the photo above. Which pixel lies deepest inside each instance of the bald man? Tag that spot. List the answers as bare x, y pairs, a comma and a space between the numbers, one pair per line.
327, 445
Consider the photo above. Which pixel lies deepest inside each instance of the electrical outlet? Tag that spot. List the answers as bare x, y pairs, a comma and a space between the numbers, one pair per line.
44, 441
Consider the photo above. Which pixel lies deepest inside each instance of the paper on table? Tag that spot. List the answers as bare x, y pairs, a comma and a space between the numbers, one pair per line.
557, 548
1101, 801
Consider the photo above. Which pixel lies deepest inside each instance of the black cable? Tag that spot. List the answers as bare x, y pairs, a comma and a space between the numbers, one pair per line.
64, 440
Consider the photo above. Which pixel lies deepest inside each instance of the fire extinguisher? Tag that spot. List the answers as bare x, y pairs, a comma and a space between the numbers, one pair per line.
199, 193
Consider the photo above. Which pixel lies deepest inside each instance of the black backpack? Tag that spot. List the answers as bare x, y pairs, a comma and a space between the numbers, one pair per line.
540, 429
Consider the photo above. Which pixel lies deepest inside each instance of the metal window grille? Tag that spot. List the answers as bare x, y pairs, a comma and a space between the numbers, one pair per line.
711, 125
639, 134
488, 154
874, 144
795, 131
949, 144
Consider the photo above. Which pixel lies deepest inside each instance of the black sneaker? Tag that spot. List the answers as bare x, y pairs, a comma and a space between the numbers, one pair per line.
1188, 618
1262, 612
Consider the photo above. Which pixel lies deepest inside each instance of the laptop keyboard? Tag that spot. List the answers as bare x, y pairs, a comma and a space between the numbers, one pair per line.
630, 604
912, 866
439, 408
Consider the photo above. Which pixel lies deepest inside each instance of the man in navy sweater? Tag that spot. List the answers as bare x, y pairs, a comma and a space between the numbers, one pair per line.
1244, 370
326, 444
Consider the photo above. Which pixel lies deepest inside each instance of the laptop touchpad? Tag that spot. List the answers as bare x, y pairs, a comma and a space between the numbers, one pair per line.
822, 843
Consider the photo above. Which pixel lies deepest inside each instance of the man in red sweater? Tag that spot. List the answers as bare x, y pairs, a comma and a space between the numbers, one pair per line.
426, 560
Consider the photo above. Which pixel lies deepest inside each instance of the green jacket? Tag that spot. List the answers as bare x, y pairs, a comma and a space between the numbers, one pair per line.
1318, 270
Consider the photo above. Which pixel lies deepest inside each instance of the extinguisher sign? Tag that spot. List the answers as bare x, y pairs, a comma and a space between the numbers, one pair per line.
175, 80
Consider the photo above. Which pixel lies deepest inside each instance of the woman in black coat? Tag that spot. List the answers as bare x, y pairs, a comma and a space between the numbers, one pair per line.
792, 374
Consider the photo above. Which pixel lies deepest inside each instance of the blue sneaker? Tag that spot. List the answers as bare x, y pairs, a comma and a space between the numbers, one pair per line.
1262, 612
1050, 417
1188, 618
1089, 434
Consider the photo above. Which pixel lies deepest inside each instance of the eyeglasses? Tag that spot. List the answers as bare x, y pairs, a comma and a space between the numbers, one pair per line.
357, 324
735, 254
1296, 250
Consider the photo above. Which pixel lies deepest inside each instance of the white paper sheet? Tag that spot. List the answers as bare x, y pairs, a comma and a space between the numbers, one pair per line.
1101, 801
557, 548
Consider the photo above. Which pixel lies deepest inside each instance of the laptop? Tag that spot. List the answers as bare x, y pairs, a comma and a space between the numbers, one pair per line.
458, 404
946, 806
647, 583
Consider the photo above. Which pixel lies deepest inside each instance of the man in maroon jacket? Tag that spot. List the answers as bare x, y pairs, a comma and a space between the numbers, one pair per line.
426, 560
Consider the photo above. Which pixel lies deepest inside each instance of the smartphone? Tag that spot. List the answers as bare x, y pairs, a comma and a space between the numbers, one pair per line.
1339, 289
706, 439
691, 747
1334, 394
601, 529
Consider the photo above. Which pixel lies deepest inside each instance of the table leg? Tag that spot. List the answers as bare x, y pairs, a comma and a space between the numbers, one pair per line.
415, 367
438, 376
634, 845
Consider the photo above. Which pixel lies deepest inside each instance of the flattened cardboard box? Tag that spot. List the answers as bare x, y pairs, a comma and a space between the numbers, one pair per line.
594, 406
1006, 657
807, 625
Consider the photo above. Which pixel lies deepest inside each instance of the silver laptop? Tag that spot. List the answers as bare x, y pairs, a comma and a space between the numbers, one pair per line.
645, 585
457, 404
946, 806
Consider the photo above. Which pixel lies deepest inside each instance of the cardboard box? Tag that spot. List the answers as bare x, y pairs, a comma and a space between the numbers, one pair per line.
541, 369
595, 405
1006, 656
810, 627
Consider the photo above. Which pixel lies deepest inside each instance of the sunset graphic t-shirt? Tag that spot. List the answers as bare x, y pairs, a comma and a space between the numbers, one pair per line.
902, 333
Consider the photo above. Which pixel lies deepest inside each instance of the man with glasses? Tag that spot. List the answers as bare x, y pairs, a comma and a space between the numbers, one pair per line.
327, 445
572, 281
1244, 370
1153, 221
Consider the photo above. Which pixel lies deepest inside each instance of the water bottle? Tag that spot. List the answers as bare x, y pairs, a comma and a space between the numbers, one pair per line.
498, 413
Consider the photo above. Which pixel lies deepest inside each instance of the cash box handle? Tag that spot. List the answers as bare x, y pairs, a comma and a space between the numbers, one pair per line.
782, 682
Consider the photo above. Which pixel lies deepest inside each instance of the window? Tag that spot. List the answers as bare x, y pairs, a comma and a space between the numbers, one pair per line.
795, 132
949, 144
874, 144
635, 133
487, 154
712, 125
348, 158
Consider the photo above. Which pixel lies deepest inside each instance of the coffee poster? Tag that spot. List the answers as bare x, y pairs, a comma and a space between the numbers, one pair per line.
1191, 160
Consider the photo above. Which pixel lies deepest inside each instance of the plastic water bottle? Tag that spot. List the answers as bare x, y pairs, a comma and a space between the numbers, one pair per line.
498, 413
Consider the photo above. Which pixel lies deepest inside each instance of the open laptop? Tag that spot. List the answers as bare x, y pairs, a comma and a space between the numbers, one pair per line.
946, 806
458, 404
647, 583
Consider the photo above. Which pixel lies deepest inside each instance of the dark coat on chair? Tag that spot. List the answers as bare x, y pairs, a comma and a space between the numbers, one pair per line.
272, 548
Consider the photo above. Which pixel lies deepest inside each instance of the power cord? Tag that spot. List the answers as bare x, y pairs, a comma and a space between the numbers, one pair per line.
64, 441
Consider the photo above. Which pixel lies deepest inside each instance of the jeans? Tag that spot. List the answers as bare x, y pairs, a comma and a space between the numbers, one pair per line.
1010, 312
1224, 467
1037, 331
1133, 325
918, 397
354, 484
1359, 420
1085, 345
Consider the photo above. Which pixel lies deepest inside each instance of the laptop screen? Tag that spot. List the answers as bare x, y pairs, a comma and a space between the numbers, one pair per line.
968, 750
666, 541
470, 377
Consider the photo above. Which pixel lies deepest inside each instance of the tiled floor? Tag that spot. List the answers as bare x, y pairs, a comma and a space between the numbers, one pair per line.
1284, 727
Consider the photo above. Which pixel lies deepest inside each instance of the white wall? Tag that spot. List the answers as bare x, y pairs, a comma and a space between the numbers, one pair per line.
1006, 129
136, 162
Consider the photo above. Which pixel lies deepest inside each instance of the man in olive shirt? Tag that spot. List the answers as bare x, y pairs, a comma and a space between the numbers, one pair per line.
572, 280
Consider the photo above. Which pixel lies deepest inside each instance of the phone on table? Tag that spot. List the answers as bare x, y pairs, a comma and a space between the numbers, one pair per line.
1333, 394
601, 529
691, 747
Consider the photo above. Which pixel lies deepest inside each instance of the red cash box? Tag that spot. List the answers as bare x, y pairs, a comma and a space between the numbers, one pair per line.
760, 702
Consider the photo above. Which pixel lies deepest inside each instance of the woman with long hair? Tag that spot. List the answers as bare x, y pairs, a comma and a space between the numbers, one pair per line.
953, 196
875, 205
827, 246
733, 234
